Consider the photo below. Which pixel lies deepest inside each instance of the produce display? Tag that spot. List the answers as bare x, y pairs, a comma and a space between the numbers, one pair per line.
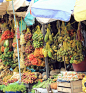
45, 84
65, 45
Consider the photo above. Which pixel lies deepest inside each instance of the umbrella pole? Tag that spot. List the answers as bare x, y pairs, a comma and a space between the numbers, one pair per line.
46, 58
64, 63
16, 26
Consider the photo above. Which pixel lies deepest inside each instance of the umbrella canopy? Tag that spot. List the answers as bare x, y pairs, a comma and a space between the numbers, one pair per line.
8, 6
80, 10
54, 9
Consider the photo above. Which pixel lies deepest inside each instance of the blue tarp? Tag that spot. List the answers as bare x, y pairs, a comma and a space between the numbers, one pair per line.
55, 9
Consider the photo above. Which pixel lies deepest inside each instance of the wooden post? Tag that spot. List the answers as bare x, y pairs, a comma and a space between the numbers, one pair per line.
46, 59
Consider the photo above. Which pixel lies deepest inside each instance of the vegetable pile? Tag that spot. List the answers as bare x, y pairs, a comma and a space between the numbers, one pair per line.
43, 84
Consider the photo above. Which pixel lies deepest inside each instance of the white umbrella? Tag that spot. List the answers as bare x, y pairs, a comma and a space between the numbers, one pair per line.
80, 10
53, 9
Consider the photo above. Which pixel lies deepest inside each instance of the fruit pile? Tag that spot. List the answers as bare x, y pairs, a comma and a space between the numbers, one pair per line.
77, 59
5, 71
7, 34
47, 50
5, 79
27, 62
7, 59
67, 47
27, 36
29, 77
34, 60
38, 53
10, 81
29, 49
37, 38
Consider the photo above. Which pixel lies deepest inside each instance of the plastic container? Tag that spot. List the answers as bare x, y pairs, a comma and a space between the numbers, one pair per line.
81, 67
29, 0
9, 92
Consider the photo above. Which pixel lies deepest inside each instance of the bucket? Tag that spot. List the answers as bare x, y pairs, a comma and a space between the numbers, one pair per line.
9, 92
81, 67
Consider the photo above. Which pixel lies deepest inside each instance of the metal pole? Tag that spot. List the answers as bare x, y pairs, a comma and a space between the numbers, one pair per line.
16, 25
46, 59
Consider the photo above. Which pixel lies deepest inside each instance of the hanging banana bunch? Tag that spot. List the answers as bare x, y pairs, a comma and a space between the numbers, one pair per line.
47, 51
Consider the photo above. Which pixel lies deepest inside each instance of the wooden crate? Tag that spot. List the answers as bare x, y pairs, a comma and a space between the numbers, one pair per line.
72, 87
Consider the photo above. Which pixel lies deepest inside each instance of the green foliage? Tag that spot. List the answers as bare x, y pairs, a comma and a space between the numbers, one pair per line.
1, 87
15, 87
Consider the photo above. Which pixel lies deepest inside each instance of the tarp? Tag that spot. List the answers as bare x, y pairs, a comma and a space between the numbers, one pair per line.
54, 9
17, 4
20, 14
80, 10
3, 7
8, 6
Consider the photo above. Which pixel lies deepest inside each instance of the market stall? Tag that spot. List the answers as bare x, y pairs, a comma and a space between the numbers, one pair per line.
29, 55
